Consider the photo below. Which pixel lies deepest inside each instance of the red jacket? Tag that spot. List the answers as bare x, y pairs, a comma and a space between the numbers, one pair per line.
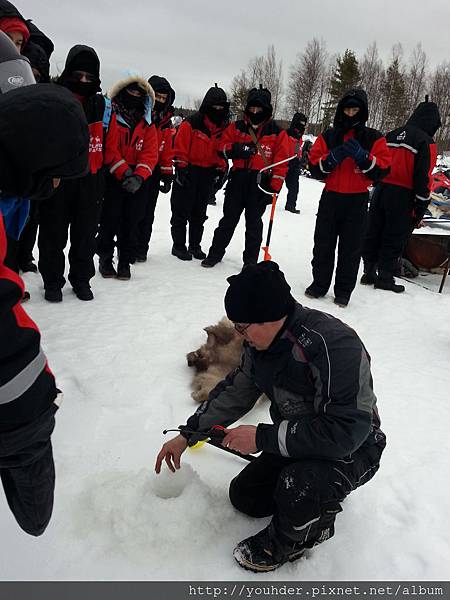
196, 143
27, 386
137, 150
165, 145
273, 141
347, 177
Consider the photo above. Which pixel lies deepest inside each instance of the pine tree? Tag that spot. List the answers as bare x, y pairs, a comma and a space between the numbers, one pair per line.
395, 100
345, 77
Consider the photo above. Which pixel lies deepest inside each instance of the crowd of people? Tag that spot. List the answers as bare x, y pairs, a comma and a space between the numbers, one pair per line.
99, 184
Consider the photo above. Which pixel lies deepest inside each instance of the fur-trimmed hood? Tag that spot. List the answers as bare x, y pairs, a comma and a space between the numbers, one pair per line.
149, 100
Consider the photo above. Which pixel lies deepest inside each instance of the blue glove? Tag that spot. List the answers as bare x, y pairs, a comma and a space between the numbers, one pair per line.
356, 151
334, 157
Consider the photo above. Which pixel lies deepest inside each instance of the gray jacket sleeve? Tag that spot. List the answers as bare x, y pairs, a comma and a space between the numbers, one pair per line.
227, 402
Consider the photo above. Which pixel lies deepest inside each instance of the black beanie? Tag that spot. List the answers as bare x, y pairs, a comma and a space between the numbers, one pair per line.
259, 294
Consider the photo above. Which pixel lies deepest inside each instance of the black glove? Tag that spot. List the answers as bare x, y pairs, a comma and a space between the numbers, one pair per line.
127, 173
132, 183
165, 183
182, 176
334, 157
242, 150
356, 151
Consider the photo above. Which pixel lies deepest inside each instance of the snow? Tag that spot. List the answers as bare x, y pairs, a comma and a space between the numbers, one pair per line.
120, 361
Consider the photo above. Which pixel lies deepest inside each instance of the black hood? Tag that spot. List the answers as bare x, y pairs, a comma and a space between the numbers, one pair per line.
298, 123
215, 95
162, 86
260, 97
38, 60
59, 144
426, 117
360, 96
79, 55
9, 10
39, 38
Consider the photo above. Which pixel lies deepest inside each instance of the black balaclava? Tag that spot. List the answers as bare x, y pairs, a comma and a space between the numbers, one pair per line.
259, 294
352, 99
160, 85
426, 117
259, 97
298, 125
39, 38
131, 101
81, 58
215, 96
26, 170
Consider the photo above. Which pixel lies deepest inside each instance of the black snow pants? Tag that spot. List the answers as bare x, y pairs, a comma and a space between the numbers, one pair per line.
303, 496
28, 236
76, 203
189, 204
145, 226
340, 217
27, 472
388, 228
241, 195
292, 181
122, 212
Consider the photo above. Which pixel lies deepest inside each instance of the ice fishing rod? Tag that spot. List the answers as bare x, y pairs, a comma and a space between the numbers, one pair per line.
274, 202
215, 437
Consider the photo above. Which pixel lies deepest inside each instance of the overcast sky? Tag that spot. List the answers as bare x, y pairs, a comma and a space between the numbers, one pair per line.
195, 43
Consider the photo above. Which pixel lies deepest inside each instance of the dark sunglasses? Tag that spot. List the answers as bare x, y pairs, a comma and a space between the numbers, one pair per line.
241, 328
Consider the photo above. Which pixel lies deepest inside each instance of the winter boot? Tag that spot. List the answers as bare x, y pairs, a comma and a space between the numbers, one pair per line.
313, 291
210, 262
106, 268
28, 267
123, 271
83, 291
266, 551
197, 252
141, 258
52, 294
181, 252
388, 283
292, 209
341, 301
370, 274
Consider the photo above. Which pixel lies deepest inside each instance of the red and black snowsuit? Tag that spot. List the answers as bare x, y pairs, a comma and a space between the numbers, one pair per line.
163, 172
343, 204
196, 163
295, 133
242, 192
403, 192
77, 202
137, 155
28, 393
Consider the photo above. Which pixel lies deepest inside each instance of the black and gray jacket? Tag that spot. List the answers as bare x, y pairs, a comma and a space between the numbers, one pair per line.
317, 376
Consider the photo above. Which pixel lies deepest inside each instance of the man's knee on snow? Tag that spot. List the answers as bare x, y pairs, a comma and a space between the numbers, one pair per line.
246, 500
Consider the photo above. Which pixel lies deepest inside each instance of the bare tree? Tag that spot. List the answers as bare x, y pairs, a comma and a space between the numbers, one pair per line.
416, 77
306, 85
439, 88
372, 77
264, 70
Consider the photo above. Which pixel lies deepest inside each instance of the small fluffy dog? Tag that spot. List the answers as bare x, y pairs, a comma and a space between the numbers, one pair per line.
213, 361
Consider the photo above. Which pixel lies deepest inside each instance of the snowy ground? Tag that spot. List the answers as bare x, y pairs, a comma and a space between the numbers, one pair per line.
121, 363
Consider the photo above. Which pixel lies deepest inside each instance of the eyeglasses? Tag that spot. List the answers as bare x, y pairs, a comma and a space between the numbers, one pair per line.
241, 328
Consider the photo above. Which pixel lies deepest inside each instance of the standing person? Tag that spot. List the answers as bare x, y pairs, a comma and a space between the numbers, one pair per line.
77, 203
34, 156
126, 189
162, 177
348, 157
196, 166
295, 133
242, 193
325, 438
401, 199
